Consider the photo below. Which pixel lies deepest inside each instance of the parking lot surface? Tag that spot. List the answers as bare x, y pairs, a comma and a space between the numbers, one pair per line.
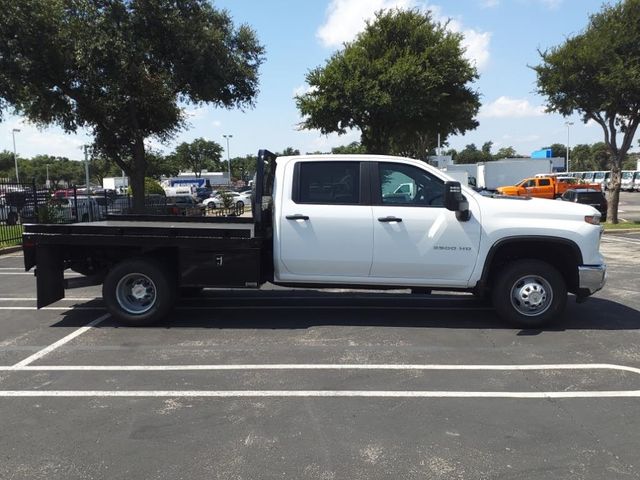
321, 385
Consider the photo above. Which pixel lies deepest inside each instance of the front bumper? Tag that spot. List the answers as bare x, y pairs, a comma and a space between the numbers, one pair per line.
591, 279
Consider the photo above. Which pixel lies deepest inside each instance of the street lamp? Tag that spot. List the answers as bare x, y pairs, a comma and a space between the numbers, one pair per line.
48, 182
15, 157
568, 124
227, 137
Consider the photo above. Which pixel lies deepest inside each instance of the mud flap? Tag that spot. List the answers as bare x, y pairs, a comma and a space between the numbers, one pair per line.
49, 275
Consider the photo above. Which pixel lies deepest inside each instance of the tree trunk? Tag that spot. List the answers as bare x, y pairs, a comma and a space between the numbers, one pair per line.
614, 191
138, 171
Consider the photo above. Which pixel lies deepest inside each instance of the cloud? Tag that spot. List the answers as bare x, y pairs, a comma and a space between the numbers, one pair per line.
31, 140
505, 107
489, 3
216, 124
346, 18
195, 113
552, 4
303, 89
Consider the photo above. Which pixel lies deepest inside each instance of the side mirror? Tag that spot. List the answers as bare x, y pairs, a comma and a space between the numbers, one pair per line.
455, 201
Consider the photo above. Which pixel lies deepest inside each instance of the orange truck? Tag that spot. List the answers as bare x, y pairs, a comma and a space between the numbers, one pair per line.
545, 187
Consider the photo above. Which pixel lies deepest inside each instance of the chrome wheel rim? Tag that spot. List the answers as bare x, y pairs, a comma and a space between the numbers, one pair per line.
136, 293
531, 295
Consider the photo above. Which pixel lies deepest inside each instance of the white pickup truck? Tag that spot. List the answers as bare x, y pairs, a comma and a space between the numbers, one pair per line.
338, 220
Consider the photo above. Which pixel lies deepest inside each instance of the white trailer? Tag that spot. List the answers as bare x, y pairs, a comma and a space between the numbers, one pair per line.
462, 170
492, 175
119, 184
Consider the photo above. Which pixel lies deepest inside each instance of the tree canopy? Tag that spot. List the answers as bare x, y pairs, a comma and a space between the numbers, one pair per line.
198, 155
400, 82
597, 74
123, 68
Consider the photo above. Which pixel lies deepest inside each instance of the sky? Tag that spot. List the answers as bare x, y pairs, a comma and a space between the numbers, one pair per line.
501, 37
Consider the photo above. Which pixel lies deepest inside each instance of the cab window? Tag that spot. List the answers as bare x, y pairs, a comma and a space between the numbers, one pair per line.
407, 185
544, 182
330, 183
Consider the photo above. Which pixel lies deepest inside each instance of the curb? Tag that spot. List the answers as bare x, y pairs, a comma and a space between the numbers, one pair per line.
6, 250
622, 230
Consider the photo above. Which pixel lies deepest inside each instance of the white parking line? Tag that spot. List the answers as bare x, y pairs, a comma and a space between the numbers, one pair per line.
60, 342
33, 299
66, 274
324, 366
53, 308
318, 393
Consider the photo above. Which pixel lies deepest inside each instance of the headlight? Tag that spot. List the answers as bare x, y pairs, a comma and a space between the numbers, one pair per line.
592, 219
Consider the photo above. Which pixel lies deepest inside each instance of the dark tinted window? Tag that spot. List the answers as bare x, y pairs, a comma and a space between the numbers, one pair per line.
329, 183
408, 185
544, 182
590, 197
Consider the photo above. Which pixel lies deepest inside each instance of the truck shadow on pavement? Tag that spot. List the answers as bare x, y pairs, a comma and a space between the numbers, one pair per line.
305, 309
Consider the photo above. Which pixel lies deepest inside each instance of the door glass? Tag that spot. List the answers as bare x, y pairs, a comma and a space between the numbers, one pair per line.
409, 185
329, 183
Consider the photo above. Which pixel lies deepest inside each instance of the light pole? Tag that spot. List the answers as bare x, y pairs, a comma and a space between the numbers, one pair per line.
15, 156
48, 182
228, 159
568, 124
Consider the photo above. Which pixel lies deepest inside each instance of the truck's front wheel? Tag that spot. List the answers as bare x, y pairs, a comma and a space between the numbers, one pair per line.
529, 293
138, 292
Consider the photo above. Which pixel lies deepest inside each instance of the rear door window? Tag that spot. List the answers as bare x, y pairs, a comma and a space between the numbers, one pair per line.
330, 183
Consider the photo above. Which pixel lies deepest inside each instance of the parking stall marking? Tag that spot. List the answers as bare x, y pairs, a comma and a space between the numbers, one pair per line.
60, 342
320, 366
319, 393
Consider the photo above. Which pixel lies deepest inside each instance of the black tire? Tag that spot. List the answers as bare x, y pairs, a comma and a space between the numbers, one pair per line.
152, 282
539, 293
12, 218
239, 204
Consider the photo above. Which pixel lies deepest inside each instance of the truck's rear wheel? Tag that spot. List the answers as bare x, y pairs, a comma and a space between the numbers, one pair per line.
529, 293
138, 292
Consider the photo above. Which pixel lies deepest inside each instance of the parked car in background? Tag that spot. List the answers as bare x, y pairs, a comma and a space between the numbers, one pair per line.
65, 210
588, 196
237, 199
628, 180
8, 213
184, 205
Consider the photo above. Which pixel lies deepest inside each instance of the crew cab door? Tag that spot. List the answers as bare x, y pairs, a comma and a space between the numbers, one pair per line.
325, 222
415, 238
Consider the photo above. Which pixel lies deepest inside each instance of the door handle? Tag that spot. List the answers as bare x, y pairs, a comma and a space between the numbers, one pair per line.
389, 219
297, 216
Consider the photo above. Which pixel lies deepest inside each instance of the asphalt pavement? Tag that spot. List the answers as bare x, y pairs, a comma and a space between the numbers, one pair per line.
321, 385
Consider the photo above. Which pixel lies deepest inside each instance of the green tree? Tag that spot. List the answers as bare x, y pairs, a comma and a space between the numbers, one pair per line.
558, 150
400, 82
597, 74
353, 147
471, 153
244, 167
289, 151
581, 158
123, 68
506, 152
199, 155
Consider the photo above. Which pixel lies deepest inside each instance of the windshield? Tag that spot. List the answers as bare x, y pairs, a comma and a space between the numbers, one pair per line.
599, 176
627, 175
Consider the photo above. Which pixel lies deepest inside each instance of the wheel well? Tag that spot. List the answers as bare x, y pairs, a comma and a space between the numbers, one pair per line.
562, 254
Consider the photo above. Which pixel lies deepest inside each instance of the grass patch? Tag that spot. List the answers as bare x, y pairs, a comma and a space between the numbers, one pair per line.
621, 225
10, 235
